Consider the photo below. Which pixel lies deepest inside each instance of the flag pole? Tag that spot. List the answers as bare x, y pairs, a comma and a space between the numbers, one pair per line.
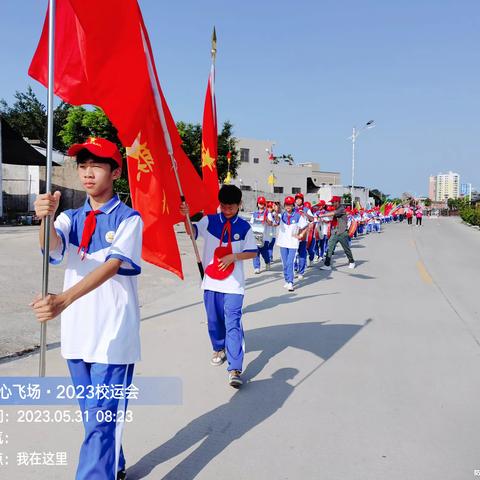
48, 179
168, 140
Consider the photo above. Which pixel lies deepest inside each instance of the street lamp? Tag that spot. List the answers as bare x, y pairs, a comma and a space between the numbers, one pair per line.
355, 134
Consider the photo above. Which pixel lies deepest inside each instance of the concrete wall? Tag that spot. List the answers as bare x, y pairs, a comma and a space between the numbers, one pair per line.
65, 179
20, 186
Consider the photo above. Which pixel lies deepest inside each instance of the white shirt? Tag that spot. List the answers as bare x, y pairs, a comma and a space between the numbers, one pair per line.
290, 226
210, 227
103, 326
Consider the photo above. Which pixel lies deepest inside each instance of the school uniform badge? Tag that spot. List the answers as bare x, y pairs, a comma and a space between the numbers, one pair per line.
109, 236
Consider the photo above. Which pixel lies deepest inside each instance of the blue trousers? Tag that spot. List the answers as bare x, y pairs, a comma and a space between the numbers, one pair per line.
270, 249
263, 251
302, 257
101, 453
312, 249
288, 259
323, 245
224, 315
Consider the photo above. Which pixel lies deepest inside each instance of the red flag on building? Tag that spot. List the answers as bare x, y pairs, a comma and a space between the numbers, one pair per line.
110, 64
209, 146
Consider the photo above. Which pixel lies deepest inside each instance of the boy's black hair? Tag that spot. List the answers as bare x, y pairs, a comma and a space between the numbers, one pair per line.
230, 195
84, 155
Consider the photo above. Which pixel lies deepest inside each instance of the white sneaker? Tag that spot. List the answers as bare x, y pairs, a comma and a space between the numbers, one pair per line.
300, 276
257, 270
351, 265
286, 285
290, 287
267, 266
326, 267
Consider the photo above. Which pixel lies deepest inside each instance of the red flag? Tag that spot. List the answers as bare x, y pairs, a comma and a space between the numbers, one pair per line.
209, 146
103, 57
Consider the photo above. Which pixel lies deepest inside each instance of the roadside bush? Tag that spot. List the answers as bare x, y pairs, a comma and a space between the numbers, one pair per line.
470, 215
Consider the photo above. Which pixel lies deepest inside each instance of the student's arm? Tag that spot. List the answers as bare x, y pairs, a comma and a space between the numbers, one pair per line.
199, 228
46, 205
53, 305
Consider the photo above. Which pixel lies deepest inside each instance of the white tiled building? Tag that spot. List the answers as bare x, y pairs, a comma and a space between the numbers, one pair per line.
258, 175
444, 186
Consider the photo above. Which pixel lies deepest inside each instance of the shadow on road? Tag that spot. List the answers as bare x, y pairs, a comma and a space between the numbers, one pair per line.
271, 302
251, 405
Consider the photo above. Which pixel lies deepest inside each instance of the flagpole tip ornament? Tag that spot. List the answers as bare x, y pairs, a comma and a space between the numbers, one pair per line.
99, 147
213, 51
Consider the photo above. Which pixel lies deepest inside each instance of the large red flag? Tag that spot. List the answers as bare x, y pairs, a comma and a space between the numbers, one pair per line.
209, 146
103, 57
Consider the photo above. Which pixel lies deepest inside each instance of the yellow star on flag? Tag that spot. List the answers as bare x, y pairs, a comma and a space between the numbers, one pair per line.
207, 160
141, 153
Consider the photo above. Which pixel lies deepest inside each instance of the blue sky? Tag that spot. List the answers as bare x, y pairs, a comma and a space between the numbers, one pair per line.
303, 73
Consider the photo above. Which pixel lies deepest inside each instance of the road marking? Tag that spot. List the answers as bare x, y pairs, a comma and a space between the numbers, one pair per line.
424, 273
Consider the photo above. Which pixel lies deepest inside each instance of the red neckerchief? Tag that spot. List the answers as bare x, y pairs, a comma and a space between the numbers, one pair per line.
264, 215
226, 229
88, 229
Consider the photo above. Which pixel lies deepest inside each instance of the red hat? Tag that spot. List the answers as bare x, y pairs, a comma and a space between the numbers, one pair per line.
331, 208
307, 205
289, 201
261, 200
270, 203
298, 195
335, 198
99, 147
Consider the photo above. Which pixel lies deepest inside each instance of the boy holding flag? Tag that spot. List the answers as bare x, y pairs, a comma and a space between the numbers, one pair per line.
100, 334
228, 242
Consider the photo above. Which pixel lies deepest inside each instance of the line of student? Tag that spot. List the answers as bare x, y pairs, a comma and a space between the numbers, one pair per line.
99, 306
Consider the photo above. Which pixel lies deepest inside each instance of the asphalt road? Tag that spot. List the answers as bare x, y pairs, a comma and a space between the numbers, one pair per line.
367, 374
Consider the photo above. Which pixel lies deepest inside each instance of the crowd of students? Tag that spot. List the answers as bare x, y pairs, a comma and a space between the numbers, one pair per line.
309, 233
99, 307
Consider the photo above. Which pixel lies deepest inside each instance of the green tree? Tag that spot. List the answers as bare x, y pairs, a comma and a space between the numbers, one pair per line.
82, 123
427, 202
380, 197
28, 116
191, 135
347, 199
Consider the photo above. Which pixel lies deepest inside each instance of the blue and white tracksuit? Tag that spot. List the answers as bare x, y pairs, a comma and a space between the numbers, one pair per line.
223, 299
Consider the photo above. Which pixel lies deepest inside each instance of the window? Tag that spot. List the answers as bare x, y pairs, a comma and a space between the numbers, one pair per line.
244, 154
296, 190
247, 188
277, 189
255, 160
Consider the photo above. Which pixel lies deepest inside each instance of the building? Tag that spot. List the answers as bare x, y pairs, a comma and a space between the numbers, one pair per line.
432, 187
466, 191
259, 173
444, 186
20, 180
